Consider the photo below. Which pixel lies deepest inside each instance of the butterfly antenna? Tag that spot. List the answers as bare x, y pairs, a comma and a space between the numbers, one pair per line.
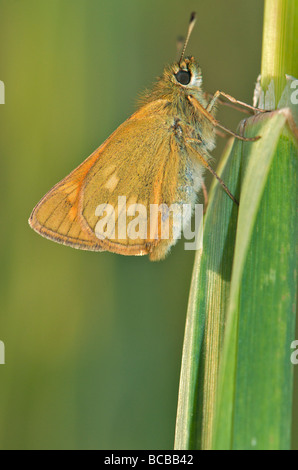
189, 31
179, 44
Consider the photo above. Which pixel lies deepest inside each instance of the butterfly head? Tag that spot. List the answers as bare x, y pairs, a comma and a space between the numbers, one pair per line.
186, 74
179, 79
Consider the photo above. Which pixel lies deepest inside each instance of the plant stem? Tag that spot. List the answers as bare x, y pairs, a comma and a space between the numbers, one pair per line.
280, 46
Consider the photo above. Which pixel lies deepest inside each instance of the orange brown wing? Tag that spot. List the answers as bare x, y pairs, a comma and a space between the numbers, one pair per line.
140, 161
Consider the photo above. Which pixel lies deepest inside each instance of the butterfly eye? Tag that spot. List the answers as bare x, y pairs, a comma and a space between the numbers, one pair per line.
183, 77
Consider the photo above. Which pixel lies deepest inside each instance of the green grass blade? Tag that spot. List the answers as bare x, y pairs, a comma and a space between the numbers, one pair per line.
208, 296
236, 378
280, 46
215, 358
267, 304
255, 384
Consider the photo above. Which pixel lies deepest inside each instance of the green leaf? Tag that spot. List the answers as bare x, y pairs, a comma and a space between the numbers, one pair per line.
280, 45
207, 303
255, 385
236, 376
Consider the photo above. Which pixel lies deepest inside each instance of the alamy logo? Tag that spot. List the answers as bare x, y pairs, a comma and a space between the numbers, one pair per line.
2, 353
294, 355
137, 221
2, 92
294, 94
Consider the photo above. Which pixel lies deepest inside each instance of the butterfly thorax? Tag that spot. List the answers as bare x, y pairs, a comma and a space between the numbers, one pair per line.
178, 83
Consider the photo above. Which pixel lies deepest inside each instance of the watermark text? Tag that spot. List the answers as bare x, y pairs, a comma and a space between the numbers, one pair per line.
2, 92
294, 94
154, 222
2, 353
294, 355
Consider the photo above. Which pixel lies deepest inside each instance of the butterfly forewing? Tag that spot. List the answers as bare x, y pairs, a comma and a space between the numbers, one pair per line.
135, 168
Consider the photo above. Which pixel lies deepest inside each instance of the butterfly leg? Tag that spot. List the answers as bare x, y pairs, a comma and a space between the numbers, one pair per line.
211, 105
209, 168
205, 194
233, 100
206, 113
209, 96
221, 134
237, 136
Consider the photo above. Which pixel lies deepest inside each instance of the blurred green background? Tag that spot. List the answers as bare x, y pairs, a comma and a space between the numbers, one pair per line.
93, 340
